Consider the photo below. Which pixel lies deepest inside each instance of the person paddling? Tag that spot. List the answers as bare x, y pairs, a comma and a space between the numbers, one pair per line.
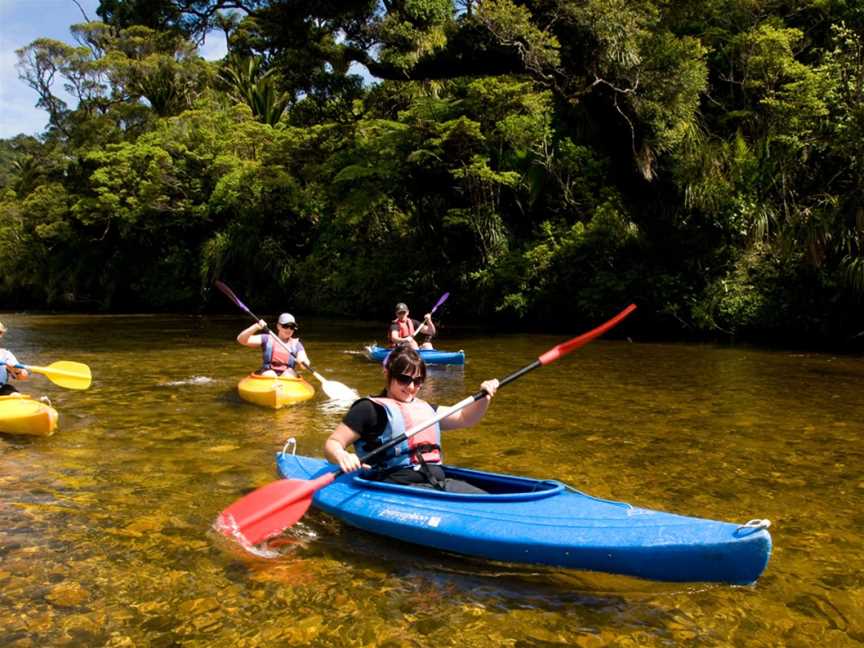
403, 329
8, 368
277, 361
373, 421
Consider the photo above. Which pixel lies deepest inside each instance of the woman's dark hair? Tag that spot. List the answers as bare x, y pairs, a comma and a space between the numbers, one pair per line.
404, 360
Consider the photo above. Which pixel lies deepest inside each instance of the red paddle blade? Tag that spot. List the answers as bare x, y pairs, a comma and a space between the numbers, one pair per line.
271, 509
571, 345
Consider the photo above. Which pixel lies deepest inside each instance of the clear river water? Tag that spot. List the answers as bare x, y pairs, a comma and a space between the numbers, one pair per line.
106, 532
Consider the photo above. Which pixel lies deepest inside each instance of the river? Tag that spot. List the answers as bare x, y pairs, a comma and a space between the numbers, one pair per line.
106, 527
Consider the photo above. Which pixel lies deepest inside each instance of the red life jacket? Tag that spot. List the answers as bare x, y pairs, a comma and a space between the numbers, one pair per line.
406, 328
400, 418
275, 355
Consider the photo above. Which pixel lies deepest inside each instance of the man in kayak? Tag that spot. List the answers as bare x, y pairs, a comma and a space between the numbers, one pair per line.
278, 359
372, 422
8, 370
403, 329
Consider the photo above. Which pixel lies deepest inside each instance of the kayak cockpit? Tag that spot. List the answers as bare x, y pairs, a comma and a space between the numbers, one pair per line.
499, 488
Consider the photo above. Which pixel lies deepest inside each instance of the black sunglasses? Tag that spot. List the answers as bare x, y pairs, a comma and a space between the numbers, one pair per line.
405, 380
291, 326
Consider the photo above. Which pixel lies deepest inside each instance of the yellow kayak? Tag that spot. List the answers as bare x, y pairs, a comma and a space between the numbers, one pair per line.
20, 414
274, 392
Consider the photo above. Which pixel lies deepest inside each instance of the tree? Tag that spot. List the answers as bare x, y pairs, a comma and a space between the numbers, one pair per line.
116, 77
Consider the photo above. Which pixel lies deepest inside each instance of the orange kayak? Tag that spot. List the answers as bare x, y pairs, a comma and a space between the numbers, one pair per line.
21, 414
274, 392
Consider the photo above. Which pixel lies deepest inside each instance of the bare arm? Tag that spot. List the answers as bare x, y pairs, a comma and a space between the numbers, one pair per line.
335, 449
303, 359
427, 327
246, 337
474, 412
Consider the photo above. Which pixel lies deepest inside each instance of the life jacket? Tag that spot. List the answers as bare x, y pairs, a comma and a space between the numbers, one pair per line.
406, 328
275, 355
425, 446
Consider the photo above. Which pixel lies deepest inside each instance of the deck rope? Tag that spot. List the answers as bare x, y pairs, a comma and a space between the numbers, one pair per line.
752, 526
290, 442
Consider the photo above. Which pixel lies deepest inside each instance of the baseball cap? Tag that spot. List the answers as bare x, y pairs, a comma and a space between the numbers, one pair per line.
287, 318
401, 306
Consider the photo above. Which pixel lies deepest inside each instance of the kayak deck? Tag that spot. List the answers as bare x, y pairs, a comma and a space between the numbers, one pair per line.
430, 356
525, 520
21, 414
274, 392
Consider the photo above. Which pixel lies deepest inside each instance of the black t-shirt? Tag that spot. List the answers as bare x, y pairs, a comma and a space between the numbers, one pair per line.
369, 419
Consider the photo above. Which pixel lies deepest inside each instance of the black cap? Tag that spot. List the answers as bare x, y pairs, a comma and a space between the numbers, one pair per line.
401, 306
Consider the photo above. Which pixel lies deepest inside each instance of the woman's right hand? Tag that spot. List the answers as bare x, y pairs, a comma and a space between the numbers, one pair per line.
262, 324
349, 462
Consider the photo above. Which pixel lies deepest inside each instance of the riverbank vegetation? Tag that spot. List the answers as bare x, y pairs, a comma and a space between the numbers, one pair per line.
546, 162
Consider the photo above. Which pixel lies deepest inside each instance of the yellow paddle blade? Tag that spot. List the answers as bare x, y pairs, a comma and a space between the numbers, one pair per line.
68, 374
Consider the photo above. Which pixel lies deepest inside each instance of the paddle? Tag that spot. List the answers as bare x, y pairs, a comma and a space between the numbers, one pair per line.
72, 375
269, 510
432, 312
333, 389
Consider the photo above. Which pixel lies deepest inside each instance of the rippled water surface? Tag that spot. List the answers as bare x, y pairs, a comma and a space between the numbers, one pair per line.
105, 528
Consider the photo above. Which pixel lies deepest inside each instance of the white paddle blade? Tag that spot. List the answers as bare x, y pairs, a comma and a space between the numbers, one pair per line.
338, 391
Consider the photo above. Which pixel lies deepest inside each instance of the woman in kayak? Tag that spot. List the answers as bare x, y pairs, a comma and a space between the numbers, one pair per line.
403, 329
8, 370
277, 359
372, 422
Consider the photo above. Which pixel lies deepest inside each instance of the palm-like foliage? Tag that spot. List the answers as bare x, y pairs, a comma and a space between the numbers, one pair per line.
250, 84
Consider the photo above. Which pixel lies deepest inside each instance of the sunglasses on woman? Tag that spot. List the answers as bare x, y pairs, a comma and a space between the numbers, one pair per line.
406, 380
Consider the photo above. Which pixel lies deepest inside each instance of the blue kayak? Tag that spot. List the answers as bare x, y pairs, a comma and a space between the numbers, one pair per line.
546, 522
430, 356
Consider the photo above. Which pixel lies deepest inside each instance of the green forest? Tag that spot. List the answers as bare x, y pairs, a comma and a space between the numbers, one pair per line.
545, 161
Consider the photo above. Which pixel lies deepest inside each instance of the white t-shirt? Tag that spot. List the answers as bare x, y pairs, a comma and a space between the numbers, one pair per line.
6, 358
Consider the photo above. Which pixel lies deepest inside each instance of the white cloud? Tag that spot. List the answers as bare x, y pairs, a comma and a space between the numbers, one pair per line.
214, 47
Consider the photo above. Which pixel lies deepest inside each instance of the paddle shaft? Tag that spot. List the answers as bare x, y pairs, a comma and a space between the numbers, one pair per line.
47, 370
440, 301
550, 356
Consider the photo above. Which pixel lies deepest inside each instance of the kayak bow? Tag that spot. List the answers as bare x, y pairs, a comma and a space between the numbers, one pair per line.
274, 392
21, 414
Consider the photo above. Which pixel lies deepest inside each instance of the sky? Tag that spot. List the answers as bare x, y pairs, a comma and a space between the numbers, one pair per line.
22, 22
